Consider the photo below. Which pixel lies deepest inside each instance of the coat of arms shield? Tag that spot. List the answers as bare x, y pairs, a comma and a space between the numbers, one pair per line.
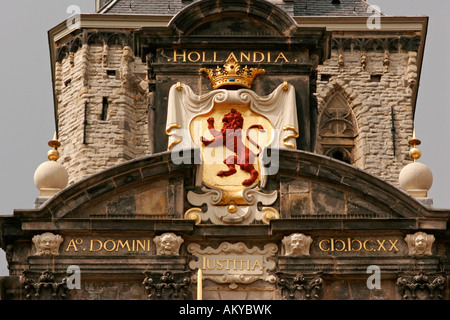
232, 129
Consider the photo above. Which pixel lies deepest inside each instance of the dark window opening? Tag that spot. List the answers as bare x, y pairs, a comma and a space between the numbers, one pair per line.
375, 78
68, 82
325, 77
105, 106
111, 73
339, 155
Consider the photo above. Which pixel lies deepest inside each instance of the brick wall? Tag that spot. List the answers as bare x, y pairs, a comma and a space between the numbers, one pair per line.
83, 77
372, 83
386, 82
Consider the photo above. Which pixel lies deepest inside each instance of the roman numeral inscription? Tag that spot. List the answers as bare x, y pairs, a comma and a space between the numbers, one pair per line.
350, 244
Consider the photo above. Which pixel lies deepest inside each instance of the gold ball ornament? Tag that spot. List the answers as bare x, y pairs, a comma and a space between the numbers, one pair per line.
415, 153
53, 155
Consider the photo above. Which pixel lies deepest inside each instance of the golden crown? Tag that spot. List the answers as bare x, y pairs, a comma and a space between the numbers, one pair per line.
232, 74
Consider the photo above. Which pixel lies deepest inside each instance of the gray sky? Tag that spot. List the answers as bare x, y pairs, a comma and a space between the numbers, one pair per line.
27, 124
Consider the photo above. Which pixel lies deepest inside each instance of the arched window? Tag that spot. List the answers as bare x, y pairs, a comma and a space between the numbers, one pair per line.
337, 129
342, 154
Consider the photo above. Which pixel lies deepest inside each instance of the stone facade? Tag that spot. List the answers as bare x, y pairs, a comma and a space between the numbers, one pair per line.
380, 99
375, 76
375, 97
379, 94
103, 100
351, 220
137, 221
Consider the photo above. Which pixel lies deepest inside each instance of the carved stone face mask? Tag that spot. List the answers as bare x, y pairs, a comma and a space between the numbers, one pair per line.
297, 243
168, 244
420, 243
47, 244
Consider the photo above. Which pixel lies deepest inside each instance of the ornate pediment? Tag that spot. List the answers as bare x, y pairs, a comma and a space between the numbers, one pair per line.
307, 186
213, 18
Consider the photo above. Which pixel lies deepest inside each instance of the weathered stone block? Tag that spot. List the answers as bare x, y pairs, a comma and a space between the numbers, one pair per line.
327, 200
153, 199
124, 204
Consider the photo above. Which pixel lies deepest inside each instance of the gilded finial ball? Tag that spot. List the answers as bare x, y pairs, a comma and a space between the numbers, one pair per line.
53, 155
415, 153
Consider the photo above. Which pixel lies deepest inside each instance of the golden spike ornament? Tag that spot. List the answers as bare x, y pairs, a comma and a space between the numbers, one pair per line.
415, 152
53, 154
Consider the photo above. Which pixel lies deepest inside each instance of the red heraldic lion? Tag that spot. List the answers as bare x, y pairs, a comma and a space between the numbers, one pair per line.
230, 136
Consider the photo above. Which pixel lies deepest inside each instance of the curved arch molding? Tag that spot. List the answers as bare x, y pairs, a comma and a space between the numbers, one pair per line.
311, 188
200, 12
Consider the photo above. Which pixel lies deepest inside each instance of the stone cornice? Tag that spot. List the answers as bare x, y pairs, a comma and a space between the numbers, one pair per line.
137, 22
371, 43
346, 24
110, 21
102, 21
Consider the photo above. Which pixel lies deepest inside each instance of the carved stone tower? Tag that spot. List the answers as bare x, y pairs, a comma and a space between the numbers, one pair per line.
232, 149
102, 96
